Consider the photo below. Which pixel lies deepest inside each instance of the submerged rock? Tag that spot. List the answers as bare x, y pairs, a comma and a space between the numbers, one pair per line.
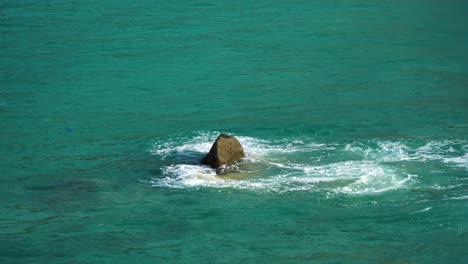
225, 150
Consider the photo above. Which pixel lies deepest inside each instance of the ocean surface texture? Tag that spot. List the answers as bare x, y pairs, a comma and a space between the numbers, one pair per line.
353, 116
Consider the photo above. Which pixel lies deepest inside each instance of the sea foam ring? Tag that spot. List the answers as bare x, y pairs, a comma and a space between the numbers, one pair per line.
298, 164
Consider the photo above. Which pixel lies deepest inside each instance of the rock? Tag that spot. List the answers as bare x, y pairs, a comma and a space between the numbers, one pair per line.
225, 150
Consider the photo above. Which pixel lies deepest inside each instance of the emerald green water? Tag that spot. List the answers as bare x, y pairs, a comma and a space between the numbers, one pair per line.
353, 116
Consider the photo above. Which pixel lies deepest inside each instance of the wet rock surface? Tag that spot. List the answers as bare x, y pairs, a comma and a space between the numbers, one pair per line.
225, 150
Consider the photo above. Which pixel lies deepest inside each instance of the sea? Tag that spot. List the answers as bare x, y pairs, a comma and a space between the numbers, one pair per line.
353, 116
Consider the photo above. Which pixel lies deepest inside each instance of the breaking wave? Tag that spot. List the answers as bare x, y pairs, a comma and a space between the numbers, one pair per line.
300, 164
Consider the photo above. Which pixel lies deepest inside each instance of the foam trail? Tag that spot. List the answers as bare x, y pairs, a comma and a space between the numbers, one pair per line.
465, 197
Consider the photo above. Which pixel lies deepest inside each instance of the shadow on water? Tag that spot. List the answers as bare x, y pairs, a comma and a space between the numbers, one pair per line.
68, 194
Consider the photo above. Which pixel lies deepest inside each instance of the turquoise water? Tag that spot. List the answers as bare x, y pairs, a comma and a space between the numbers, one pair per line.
353, 116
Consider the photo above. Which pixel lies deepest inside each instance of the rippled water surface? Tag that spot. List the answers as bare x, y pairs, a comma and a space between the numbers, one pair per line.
353, 117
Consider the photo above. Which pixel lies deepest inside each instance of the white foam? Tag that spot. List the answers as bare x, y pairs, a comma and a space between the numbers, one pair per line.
259, 149
461, 161
443, 151
431, 151
387, 151
358, 177
423, 210
393, 151
438, 187
286, 165
384, 151
254, 148
201, 143
465, 197
377, 180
